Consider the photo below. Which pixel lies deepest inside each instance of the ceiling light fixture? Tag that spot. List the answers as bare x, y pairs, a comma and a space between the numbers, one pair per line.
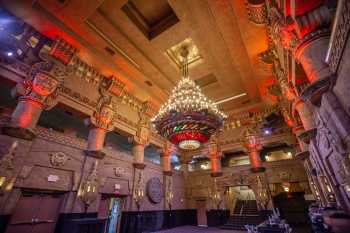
188, 118
231, 98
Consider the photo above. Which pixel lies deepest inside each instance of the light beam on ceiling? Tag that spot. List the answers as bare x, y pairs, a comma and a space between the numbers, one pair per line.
231, 98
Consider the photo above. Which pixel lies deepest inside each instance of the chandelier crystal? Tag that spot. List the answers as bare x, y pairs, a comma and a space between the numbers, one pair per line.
188, 118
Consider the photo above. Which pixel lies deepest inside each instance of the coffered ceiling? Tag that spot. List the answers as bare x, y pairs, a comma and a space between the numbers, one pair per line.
136, 40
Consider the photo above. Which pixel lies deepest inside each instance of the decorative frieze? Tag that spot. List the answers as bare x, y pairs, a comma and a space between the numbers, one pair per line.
256, 11
78, 97
339, 35
60, 138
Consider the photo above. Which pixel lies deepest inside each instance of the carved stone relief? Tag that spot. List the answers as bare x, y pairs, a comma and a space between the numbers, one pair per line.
119, 171
58, 159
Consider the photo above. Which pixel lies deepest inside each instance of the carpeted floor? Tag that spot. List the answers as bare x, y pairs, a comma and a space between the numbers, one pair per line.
193, 229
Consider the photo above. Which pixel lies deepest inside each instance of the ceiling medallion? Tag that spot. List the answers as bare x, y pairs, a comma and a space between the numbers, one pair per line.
188, 118
193, 56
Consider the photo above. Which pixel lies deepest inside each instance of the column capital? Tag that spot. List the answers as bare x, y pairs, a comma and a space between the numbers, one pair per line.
294, 33
166, 150
103, 116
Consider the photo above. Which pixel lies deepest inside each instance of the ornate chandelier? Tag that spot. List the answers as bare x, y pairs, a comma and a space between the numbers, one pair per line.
188, 118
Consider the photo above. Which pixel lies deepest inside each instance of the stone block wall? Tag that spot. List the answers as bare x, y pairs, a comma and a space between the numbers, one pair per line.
34, 163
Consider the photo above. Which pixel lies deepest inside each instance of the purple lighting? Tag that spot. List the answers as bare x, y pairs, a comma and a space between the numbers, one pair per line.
9, 54
267, 131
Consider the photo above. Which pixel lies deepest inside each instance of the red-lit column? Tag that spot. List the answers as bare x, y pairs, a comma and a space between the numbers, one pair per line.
34, 96
305, 112
307, 36
100, 123
215, 158
253, 146
165, 156
39, 90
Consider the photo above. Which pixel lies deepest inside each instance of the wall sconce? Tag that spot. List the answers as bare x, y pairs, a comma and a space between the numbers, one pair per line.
169, 195
88, 191
286, 186
217, 199
138, 192
7, 176
215, 195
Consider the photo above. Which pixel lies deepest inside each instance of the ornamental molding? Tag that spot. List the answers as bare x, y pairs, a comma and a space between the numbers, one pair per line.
6, 162
256, 11
298, 31
119, 172
58, 159
339, 36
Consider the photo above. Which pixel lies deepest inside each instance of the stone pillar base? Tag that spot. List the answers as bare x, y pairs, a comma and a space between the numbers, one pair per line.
216, 174
139, 165
257, 169
313, 92
307, 135
95, 154
302, 155
18, 132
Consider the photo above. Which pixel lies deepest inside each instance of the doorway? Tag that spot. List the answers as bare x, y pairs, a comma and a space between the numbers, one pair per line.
110, 209
201, 213
35, 213
241, 199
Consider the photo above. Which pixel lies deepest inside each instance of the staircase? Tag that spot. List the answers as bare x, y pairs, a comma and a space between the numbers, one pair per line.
245, 212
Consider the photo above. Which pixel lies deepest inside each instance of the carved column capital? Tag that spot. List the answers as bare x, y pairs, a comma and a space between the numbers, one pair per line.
293, 33
103, 116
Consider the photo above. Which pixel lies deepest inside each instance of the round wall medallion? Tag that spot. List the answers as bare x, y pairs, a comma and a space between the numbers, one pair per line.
154, 190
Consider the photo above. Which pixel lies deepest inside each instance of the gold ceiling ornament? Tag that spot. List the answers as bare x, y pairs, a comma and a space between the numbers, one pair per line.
188, 118
175, 53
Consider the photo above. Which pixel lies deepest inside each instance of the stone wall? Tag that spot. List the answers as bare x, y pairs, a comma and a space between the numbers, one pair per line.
35, 162
329, 150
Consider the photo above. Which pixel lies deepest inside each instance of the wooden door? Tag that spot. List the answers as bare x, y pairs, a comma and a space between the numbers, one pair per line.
201, 213
35, 213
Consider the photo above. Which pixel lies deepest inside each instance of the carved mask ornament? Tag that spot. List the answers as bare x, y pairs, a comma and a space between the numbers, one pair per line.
44, 84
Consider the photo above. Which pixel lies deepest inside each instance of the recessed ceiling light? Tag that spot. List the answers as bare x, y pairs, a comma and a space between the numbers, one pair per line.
230, 98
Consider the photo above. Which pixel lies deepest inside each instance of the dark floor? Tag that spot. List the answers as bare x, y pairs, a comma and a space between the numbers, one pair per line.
194, 229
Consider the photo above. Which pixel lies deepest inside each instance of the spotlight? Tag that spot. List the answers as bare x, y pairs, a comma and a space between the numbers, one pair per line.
267, 131
9, 54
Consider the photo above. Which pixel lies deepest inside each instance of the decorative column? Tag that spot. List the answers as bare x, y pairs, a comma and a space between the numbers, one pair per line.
140, 140
100, 123
307, 37
165, 158
215, 156
39, 90
253, 146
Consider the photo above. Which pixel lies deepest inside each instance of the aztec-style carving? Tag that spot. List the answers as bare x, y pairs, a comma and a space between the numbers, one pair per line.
256, 11
142, 136
7, 175
340, 36
119, 171
58, 159
85, 72
6, 162
300, 30
104, 114
77, 96
154, 190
